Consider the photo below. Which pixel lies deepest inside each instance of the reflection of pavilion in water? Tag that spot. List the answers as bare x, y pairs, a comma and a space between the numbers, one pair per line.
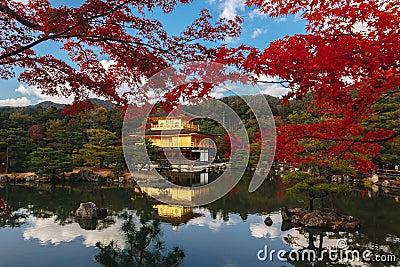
175, 215
181, 196
190, 190
182, 188
189, 179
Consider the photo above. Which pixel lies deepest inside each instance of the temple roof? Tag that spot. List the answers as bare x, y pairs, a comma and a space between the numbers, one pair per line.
177, 131
174, 114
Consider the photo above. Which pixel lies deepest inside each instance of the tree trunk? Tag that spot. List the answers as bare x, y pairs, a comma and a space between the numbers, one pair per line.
311, 240
321, 240
310, 203
321, 203
8, 160
101, 164
317, 171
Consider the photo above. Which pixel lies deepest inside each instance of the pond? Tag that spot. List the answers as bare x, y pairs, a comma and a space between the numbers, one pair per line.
42, 230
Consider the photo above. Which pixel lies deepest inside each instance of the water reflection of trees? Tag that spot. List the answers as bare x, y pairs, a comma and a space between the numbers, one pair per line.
320, 242
8, 218
143, 246
378, 215
60, 202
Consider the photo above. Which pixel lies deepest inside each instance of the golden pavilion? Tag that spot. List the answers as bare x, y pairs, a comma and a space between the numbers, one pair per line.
180, 134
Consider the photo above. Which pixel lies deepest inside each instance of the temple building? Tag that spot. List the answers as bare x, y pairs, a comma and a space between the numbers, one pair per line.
180, 134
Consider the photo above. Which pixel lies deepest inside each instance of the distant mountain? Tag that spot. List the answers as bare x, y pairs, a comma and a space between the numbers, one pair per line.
95, 101
102, 103
48, 104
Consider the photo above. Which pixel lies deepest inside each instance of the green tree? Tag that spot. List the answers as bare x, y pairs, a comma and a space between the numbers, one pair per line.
18, 119
143, 247
49, 162
314, 187
102, 150
17, 145
64, 140
387, 116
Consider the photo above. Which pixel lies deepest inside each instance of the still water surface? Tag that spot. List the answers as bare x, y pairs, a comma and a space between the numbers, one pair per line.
229, 232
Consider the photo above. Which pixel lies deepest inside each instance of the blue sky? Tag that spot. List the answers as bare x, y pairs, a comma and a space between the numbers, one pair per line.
258, 30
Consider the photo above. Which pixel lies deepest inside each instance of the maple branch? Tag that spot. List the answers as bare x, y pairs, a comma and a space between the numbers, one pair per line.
388, 138
26, 47
54, 36
348, 149
19, 18
97, 38
282, 83
111, 10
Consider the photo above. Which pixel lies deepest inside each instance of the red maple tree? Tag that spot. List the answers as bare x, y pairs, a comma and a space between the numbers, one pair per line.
347, 61
136, 46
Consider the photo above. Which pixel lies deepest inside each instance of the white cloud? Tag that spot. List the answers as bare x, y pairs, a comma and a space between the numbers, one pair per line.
107, 63
274, 89
218, 92
280, 19
257, 32
229, 8
47, 231
21, 1
231, 40
260, 230
297, 17
257, 13
362, 27
36, 95
207, 221
15, 102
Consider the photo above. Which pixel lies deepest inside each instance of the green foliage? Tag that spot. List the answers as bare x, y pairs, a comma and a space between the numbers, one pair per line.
143, 247
19, 120
102, 149
387, 116
49, 162
64, 140
93, 138
313, 187
16, 146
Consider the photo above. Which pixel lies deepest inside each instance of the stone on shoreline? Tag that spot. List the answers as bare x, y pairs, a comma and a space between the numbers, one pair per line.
4, 179
85, 176
32, 178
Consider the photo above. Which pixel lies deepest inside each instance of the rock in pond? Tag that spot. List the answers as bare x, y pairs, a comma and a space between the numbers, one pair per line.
268, 221
89, 211
327, 219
